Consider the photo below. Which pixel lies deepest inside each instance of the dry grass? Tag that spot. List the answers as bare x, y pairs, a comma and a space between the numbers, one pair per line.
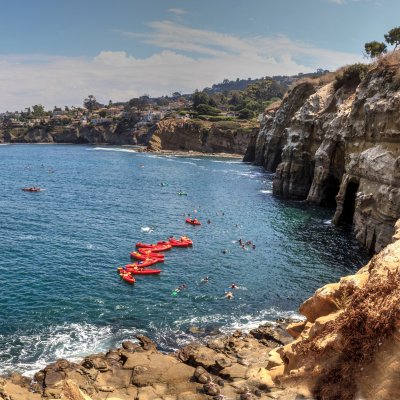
368, 319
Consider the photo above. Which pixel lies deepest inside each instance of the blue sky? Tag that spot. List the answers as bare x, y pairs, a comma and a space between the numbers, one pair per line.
58, 52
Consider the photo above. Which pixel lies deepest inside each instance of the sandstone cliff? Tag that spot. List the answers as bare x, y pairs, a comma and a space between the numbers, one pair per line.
339, 146
349, 346
121, 133
202, 136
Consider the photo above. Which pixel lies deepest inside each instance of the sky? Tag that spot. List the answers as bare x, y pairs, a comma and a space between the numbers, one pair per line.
57, 52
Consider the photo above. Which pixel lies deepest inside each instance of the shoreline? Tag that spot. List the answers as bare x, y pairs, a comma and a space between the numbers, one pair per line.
139, 149
217, 366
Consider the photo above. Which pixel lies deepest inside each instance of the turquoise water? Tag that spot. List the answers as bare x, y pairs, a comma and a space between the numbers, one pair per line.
60, 293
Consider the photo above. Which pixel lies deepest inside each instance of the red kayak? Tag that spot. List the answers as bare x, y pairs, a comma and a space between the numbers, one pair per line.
140, 271
142, 264
156, 248
126, 276
182, 242
194, 221
149, 253
146, 256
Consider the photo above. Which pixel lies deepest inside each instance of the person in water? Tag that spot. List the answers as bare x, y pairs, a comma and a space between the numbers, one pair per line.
234, 286
254, 246
209, 222
205, 279
229, 295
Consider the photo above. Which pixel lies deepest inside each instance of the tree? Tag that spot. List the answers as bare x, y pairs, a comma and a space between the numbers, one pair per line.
200, 98
102, 113
38, 110
90, 103
393, 37
375, 49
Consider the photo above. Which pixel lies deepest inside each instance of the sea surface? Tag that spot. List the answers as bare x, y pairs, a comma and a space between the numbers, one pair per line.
59, 249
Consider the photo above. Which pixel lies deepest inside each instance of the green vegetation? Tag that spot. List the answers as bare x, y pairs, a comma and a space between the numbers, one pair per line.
351, 76
375, 49
393, 37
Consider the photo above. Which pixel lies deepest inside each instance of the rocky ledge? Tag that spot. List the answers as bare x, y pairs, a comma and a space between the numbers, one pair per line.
202, 136
338, 144
238, 366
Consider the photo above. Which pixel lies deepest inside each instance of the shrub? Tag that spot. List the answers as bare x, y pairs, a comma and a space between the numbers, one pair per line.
245, 113
205, 109
351, 76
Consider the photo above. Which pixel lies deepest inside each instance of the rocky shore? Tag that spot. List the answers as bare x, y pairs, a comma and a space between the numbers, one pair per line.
348, 347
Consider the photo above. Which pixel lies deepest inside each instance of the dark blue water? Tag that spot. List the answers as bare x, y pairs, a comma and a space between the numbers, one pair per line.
60, 293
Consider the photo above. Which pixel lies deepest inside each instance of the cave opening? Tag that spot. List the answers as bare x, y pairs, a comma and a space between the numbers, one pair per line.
349, 203
332, 186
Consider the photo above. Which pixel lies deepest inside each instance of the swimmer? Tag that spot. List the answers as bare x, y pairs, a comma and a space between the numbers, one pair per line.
254, 246
229, 295
234, 286
205, 279
224, 251
209, 222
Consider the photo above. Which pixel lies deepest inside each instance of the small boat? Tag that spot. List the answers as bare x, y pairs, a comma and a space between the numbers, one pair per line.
164, 184
182, 193
147, 255
142, 264
32, 189
180, 242
126, 276
156, 248
193, 221
140, 271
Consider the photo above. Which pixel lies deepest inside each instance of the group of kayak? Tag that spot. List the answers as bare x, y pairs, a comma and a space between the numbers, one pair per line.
148, 255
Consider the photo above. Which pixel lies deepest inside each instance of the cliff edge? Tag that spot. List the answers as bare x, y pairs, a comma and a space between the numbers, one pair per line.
349, 346
337, 144
202, 136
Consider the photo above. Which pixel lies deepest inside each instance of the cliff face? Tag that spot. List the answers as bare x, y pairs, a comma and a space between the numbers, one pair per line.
202, 136
114, 133
349, 345
339, 148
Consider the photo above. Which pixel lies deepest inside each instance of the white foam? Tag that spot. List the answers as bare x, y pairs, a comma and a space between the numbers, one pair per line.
328, 222
147, 229
69, 341
114, 149
266, 191
226, 161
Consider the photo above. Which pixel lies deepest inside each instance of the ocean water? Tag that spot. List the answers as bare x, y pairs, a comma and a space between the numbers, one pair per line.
60, 293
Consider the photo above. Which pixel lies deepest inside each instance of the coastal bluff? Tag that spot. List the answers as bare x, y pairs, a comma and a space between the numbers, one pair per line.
337, 144
202, 136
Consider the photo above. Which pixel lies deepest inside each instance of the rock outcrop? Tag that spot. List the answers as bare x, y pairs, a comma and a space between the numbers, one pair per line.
339, 147
349, 346
202, 136
233, 367
122, 133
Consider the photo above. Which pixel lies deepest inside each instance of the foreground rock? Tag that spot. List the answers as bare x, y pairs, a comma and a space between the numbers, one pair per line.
232, 366
349, 346
339, 145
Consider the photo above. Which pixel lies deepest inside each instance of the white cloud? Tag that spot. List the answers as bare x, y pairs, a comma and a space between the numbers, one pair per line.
189, 59
177, 11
